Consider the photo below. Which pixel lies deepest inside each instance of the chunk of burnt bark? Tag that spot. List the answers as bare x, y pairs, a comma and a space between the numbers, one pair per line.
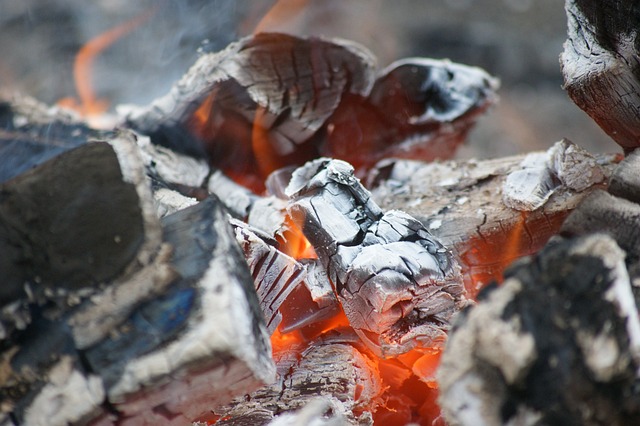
398, 285
557, 343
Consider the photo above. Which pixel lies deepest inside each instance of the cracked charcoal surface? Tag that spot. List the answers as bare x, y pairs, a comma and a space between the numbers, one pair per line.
398, 285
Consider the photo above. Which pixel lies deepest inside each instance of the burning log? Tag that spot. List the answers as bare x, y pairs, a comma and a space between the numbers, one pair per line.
559, 342
272, 100
398, 285
109, 314
345, 377
600, 65
462, 203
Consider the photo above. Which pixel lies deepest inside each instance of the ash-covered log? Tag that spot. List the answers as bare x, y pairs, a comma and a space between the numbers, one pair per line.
81, 219
110, 315
346, 378
463, 202
557, 343
272, 100
398, 285
601, 67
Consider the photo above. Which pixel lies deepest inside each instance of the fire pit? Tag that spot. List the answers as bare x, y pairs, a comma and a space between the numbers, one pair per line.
283, 239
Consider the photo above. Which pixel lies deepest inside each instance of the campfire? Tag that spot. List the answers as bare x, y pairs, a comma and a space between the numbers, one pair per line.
284, 239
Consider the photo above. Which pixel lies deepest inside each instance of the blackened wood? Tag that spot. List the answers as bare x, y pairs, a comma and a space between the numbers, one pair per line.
397, 284
600, 65
557, 343
461, 202
83, 218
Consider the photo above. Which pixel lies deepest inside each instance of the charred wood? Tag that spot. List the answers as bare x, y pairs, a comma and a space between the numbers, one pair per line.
127, 319
557, 343
397, 284
272, 100
601, 68
275, 274
461, 203
346, 379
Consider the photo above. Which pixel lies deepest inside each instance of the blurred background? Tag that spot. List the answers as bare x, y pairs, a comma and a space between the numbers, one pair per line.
519, 41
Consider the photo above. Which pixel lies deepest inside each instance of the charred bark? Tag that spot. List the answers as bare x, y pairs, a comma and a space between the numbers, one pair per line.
557, 343
601, 67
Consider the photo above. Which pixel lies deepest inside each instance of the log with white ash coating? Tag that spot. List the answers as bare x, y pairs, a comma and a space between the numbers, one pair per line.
398, 285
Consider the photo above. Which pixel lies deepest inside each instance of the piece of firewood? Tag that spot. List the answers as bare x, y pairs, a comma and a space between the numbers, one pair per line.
397, 284
337, 371
600, 65
272, 100
81, 219
557, 343
462, 202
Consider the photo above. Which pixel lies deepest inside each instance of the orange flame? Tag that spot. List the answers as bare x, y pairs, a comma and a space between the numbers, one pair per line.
90, 104
282, 12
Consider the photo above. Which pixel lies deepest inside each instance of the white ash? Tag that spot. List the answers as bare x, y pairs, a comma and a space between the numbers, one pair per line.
564, 165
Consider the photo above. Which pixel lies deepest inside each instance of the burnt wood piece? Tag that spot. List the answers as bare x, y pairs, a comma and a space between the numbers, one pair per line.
275, 275
162, 344
272, 100
557, 343
81, 219
343, 377
397, 284
461, 203
199, 344
600, 65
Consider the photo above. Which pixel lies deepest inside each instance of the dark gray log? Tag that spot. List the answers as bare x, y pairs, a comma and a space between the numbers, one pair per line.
557, 343
61, 235
601, 68
398, 286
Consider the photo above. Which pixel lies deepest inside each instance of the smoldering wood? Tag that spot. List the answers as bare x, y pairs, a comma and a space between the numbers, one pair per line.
460, 202
274, 100
296, 82
200, 343
335, 371
561, 334
397, 284
61, 235
275, 274
600, 65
